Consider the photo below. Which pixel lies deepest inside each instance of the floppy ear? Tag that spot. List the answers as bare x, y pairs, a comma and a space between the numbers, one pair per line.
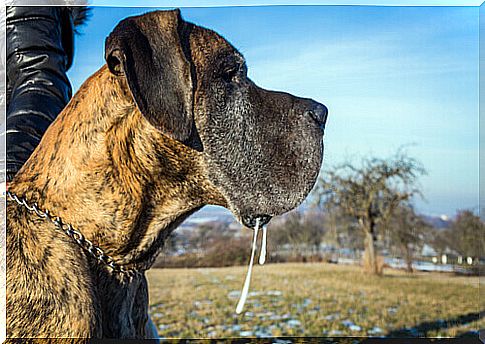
148, 50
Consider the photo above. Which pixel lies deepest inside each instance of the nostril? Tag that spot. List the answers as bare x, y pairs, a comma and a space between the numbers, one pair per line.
324, 114
319, 114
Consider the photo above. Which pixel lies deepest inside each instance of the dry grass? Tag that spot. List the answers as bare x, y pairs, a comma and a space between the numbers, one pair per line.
312, 300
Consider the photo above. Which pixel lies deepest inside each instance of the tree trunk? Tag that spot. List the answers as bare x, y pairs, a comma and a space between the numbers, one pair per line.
409, 259
371, 252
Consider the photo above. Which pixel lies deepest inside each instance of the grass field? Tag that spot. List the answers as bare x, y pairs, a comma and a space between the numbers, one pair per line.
312, 300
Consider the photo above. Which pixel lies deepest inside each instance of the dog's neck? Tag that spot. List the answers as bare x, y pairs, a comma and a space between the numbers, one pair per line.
104, 169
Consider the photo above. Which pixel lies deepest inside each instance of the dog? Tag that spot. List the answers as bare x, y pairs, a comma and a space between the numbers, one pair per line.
169, 124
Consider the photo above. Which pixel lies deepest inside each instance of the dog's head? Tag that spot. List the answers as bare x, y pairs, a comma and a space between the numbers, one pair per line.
261, 149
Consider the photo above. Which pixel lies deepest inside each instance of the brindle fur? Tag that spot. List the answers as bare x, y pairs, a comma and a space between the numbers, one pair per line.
126, 178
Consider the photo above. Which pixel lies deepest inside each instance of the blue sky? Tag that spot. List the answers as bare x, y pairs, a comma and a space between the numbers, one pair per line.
389, 76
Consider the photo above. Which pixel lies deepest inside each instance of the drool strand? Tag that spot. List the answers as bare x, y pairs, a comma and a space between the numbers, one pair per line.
244, 293
262, 253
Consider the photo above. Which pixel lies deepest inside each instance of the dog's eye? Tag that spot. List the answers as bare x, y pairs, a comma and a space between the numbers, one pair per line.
229, 73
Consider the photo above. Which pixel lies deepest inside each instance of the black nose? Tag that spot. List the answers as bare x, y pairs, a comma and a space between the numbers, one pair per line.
319, 114
250, 220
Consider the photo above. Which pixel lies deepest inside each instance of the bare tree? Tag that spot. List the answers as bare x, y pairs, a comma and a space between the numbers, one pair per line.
302, 232
202, 237
407, 232
342, 231
467, 234
370, 193
439, 239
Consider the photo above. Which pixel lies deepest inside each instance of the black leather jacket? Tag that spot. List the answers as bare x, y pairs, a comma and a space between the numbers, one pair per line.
39, 53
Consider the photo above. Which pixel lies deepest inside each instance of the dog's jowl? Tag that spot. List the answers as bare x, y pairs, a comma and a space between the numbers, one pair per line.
170, 123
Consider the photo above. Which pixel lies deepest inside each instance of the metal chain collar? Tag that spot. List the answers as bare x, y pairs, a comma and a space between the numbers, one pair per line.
76, 236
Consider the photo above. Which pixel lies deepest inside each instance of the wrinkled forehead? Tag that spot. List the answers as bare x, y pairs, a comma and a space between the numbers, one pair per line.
208, 49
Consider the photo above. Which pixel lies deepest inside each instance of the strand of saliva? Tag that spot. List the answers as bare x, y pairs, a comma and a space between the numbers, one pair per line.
262, 253
262, 259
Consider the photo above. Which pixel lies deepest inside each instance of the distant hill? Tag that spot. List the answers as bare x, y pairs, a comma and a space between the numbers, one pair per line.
211, 213
440, 222
208, 214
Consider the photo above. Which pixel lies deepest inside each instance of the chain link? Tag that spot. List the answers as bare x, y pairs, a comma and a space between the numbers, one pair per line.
76, 236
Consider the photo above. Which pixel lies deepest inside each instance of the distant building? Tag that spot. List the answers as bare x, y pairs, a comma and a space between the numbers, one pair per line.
428, 251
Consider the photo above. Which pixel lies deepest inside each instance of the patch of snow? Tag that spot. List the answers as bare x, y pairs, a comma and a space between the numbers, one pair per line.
306, 302
331, 317
249, 314
262, 334
234, 294
293, 323
162, 327
347, 323
236, 327
246, 333
392, 310
375, 330
274, 293
355, 328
